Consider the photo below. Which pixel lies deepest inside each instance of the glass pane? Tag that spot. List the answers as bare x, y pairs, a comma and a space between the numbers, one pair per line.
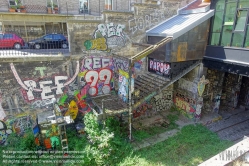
241, 20
12, 2
243, 4
238, 40
220, 5
226, 37
218, 18
247, 38
215, 38
230, 13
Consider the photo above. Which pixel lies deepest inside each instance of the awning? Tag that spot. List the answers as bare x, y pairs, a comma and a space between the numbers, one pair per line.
179, 24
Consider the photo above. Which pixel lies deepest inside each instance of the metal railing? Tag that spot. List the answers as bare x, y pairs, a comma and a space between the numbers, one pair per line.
15, 44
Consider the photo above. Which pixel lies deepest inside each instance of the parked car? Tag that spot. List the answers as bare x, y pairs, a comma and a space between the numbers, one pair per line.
49, 41
11, 40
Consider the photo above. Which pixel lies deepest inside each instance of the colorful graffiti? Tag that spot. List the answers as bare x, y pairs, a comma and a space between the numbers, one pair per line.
2, 113
98, 44
158, 67
18, 125
182, 104
199, 106
163, 101
106, 37
123, 85
44, 87
97, 73
201, 85
141, 110
216, 101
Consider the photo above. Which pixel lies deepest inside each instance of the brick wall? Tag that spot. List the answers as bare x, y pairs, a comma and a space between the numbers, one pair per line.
70, 7
4, 5
36, 2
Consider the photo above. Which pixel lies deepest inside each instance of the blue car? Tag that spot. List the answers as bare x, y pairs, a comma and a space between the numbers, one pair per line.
49, 41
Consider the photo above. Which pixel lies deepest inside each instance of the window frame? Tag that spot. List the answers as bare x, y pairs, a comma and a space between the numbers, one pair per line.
235, 21
107, 5
15, 3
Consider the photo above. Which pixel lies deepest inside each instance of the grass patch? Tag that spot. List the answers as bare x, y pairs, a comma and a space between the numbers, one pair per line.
191, 146
148, 132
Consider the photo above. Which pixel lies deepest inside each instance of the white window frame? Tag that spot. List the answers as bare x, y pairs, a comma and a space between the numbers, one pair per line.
109, 4
84, 1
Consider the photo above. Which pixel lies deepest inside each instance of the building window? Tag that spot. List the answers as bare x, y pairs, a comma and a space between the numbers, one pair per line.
238, 39
52, 3
108, 4
15, 2
247, 38
241, 20
84, 8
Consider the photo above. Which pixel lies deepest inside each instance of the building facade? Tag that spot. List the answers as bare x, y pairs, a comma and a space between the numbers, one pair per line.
226, 57
145, 56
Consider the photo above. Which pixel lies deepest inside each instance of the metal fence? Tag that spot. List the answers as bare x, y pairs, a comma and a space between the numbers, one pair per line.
14, 43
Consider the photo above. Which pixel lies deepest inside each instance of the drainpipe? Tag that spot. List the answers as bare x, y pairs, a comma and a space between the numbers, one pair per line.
130, 100
99, 7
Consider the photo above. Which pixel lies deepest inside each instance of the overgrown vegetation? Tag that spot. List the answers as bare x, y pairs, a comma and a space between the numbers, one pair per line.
191, 146
148, 132
105, 144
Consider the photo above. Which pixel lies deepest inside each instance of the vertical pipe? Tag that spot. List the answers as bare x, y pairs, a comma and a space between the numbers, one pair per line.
99, 7
130, 100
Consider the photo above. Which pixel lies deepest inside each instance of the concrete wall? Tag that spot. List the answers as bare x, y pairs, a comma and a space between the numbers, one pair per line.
159, 103
4, 5
118, 30
188, 96
213, 91
69, 7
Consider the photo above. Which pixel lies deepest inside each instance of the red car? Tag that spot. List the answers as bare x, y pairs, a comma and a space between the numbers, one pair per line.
10, 40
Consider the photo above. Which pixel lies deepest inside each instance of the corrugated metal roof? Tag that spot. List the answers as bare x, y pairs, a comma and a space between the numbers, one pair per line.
179, 24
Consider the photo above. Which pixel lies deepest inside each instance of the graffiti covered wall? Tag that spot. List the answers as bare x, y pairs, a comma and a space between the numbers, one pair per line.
116, 32
158, 103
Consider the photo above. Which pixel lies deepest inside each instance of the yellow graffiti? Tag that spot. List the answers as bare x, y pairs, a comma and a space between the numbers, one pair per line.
182, 51
182, 104
137, 92
124, 73
82, 74
72, 109
99, 44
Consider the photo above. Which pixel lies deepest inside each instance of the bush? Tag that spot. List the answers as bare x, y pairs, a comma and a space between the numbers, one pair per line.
107, 142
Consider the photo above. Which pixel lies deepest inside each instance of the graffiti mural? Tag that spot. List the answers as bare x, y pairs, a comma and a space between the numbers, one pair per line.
139, 24
162, 101
2, 113
142, 110
106, 37
185, 103
123, 85
96, 75
201, 85
159, 67
216, 101
44, 88
199, 106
